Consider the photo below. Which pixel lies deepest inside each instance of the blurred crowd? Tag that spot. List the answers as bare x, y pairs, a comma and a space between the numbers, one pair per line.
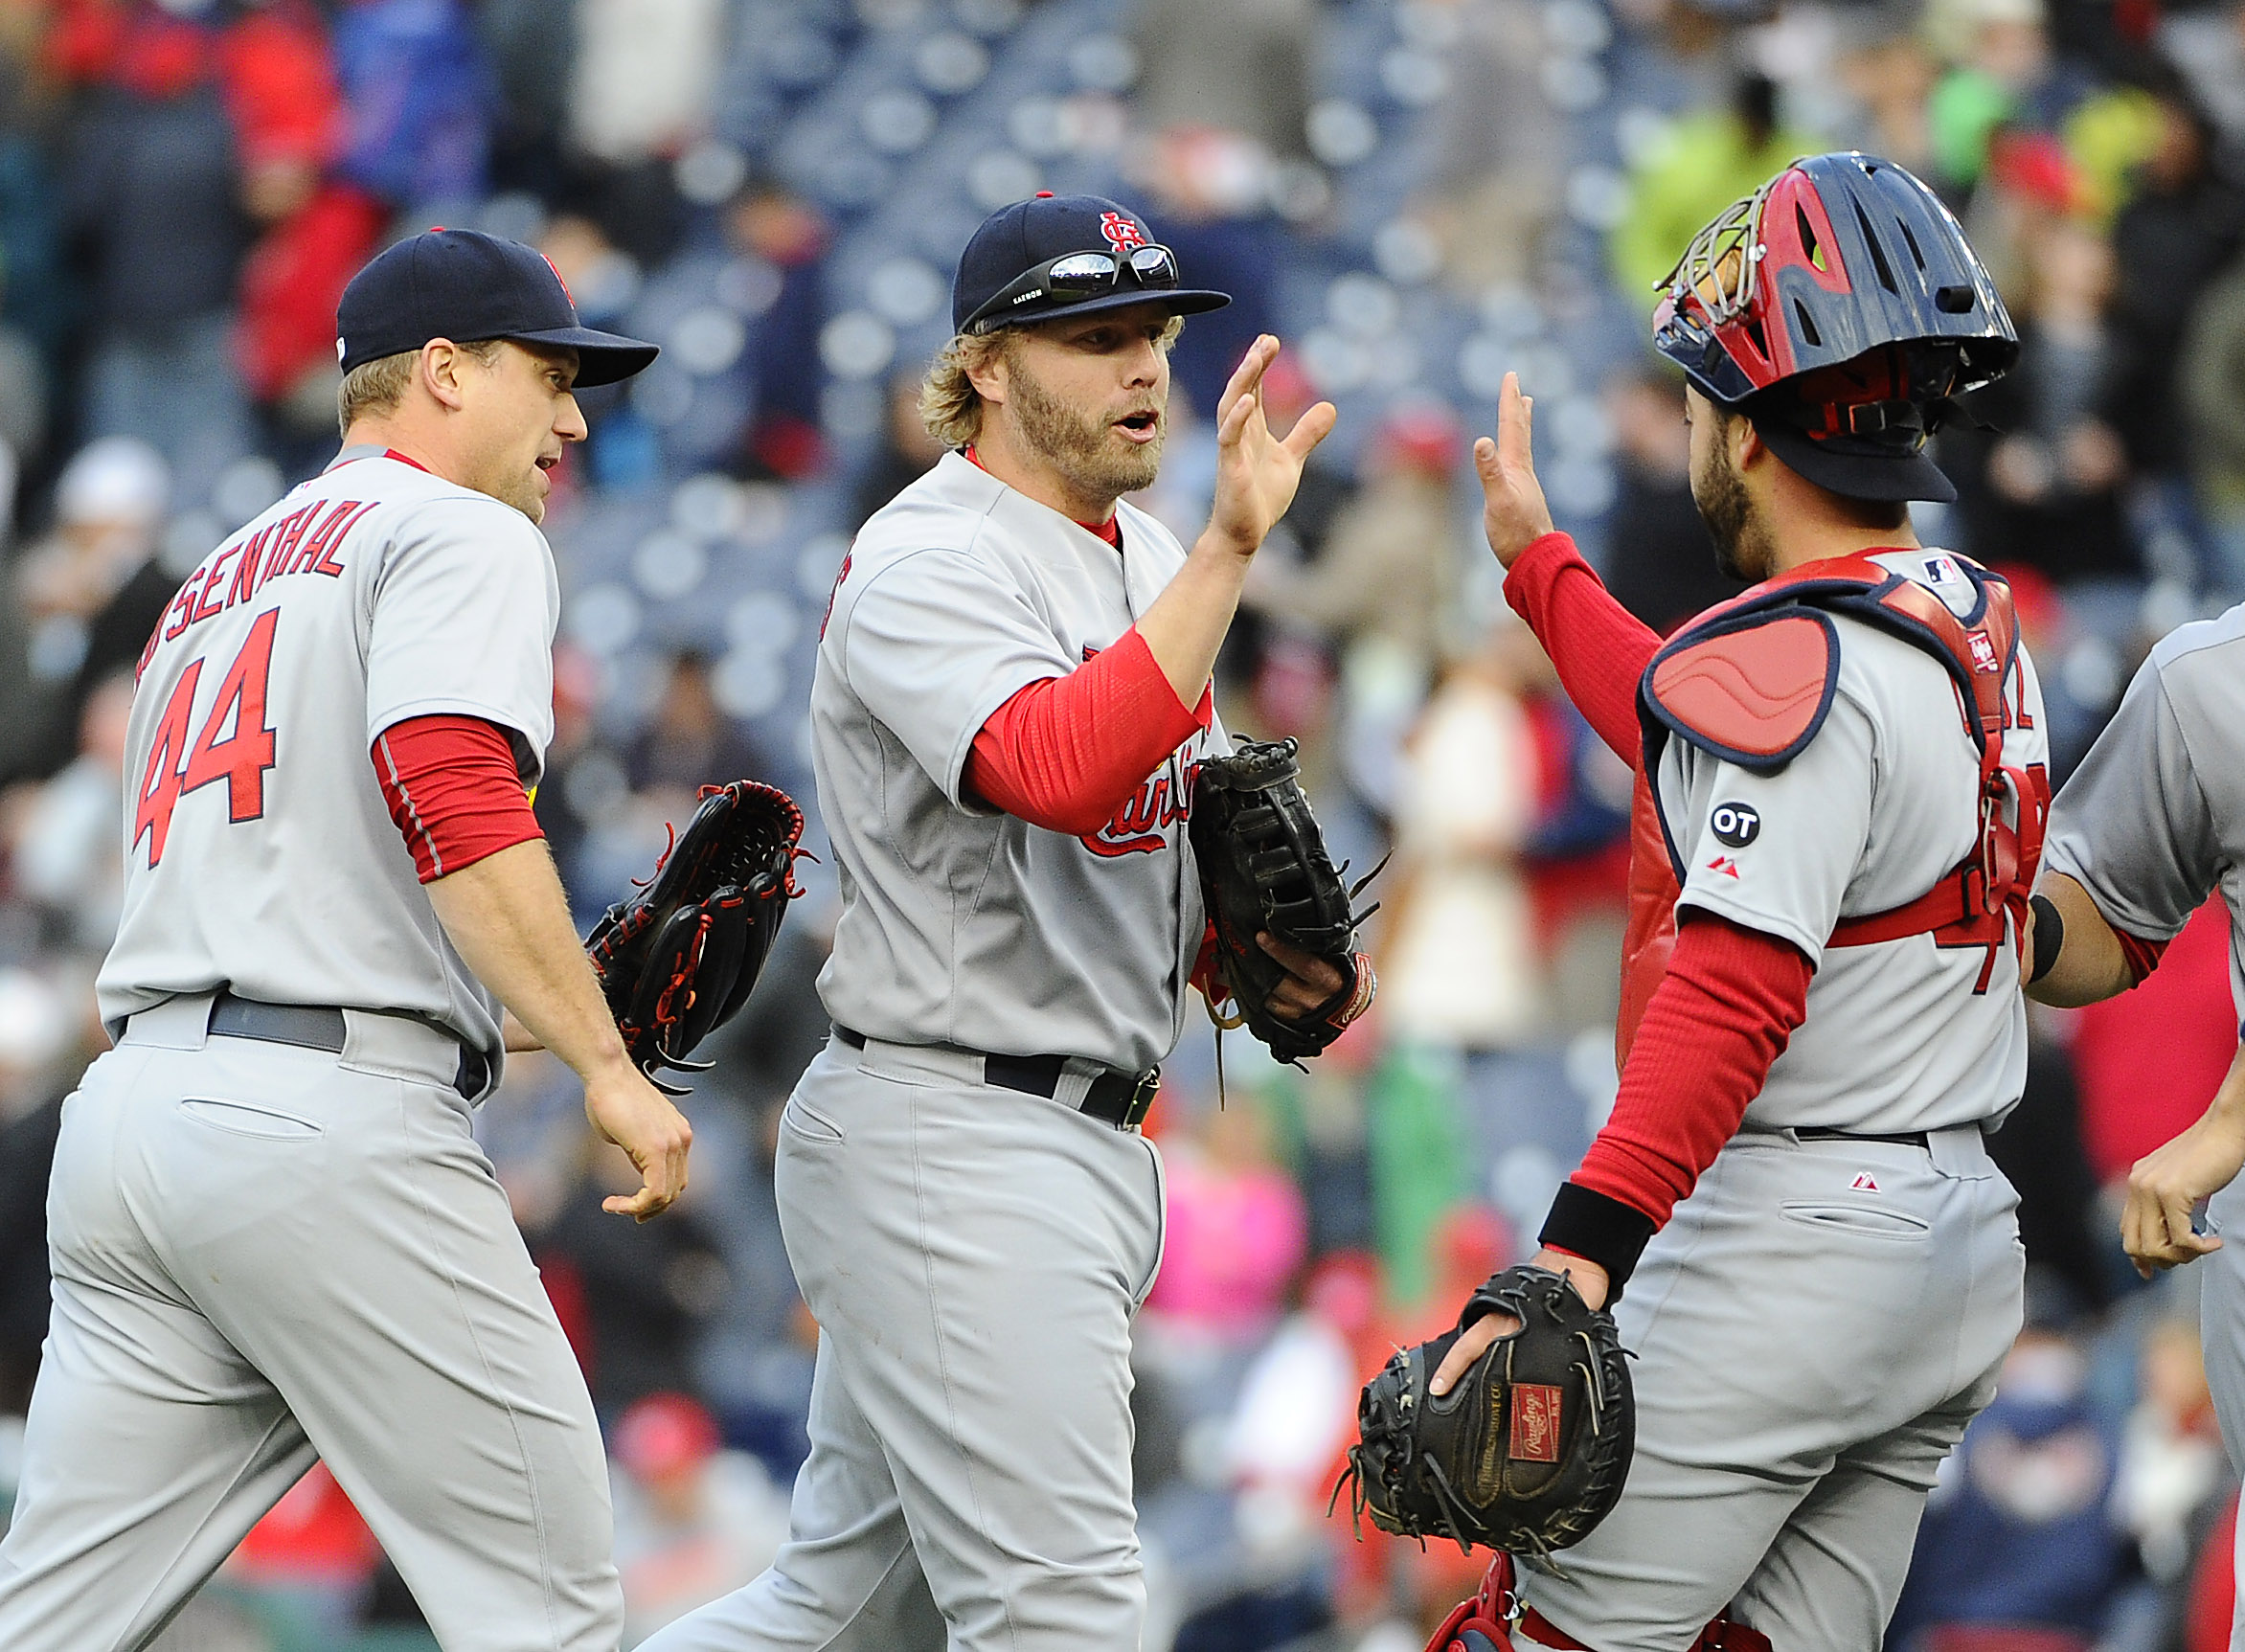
1418, 196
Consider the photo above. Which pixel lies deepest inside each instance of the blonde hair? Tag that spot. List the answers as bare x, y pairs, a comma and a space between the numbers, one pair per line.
950, 407
377, 386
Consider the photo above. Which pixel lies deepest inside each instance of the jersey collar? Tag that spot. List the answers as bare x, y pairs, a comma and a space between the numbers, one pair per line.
368, 450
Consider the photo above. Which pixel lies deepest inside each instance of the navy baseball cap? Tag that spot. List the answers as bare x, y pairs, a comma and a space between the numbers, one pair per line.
468, 287
1015, 241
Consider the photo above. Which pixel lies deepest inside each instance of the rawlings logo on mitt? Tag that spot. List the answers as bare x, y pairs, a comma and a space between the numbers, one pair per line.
677, 958
1526, 1453
1264, 871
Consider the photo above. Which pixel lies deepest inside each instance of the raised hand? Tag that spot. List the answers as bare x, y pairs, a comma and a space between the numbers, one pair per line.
1513, 513
1256, 472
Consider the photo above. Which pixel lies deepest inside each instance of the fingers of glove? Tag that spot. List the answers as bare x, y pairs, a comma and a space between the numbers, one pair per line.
1472, 1343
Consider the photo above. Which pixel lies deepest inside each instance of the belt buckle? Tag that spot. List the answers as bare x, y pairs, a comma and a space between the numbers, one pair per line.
1143, 1089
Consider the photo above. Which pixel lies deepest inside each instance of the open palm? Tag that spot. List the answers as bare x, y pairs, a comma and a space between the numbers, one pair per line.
1257, 472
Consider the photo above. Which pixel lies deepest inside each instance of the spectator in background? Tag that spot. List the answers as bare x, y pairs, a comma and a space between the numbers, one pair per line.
633, 1296
1384, 589
907, 450
2002, 75
2015, 1537
643, 81
1247, 62
693, 1521
1496, 147
2171, 1464
197, 126
419, 89
2044, 488
2213, 399
1236, 1230
62, 842
2183, 226
689, 742
1889, 81
1660, 563
40, 1031
1212, 187
1705, 161
784, 239
1457, 959
80, 604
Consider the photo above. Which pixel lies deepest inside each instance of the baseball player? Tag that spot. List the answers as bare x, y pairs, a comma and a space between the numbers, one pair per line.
273, 1237
1839, 804
1012, 693
2149, 826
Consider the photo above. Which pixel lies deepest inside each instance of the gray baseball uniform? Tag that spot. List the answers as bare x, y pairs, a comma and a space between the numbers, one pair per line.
973, 1253
2151, 823
1824, 1313
266, 1250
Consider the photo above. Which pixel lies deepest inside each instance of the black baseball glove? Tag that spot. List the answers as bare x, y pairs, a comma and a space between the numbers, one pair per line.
1526, 1453
1264, 871
678, 957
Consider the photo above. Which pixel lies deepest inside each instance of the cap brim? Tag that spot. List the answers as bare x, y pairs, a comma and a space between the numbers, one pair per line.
1889, 478
1176, 301
602, 358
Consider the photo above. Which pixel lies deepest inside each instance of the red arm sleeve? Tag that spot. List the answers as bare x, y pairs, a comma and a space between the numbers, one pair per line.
2142, 956
453, 788
1066, 753
1721, 1015
1599, 647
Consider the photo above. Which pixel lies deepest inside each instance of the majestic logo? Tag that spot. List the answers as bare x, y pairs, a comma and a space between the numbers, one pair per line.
1123, 234
1725, 865
1735, 825
1535, 1423
1865, 1183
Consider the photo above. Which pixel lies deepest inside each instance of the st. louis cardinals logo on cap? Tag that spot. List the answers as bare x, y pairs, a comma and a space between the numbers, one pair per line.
1123, 234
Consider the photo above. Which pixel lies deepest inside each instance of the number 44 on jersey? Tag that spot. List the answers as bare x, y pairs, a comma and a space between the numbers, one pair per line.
234, 743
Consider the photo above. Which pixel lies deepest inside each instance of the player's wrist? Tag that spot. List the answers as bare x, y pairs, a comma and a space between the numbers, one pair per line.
1598, 1228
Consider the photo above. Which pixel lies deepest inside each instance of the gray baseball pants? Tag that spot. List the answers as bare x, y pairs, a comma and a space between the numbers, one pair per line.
1815, 1327
973, 1256
2221, 1333
264, 1256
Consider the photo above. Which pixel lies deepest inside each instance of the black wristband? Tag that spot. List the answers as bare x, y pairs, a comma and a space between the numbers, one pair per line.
1599, 1229
2049, 933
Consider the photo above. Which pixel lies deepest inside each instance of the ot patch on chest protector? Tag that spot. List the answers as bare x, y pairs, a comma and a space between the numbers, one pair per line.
1754, 695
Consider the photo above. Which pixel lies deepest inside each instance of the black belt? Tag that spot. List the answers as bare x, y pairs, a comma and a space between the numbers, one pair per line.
1900, 1137
319, 1026
1121, 1099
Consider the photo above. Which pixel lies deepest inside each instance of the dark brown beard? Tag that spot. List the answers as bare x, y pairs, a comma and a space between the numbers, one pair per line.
1075, 444
1741, 546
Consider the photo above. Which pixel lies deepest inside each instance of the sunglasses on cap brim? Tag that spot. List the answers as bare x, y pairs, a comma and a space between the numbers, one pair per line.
1074, 276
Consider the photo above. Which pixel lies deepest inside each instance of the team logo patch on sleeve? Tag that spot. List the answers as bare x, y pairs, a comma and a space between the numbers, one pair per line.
1735, 825
1535, 1423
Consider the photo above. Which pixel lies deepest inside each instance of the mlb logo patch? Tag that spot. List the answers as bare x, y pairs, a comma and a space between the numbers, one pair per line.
1535, 1423
1984, 652
1940, 571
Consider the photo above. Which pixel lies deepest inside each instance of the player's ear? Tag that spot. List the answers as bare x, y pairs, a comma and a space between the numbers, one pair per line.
986, 370
442, 366
1746, 442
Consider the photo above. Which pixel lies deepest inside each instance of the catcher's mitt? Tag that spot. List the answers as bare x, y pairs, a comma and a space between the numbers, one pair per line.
1264, 871
678, 957
1526, 1453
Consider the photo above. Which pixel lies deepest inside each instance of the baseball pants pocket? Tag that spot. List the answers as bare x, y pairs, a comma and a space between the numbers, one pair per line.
247, 1118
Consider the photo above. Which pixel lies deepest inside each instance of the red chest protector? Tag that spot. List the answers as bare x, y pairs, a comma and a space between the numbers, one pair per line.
1750, 682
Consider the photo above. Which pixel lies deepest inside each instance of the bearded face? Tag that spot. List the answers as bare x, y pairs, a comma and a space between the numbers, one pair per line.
1090, 398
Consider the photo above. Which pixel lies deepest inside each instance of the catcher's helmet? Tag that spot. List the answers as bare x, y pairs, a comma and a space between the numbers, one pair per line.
1847, 283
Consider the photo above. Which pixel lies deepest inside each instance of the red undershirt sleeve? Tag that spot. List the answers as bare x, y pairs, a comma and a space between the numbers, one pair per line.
453, 788
1597, 646
1721, 1015
2142, 956
1065, 752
